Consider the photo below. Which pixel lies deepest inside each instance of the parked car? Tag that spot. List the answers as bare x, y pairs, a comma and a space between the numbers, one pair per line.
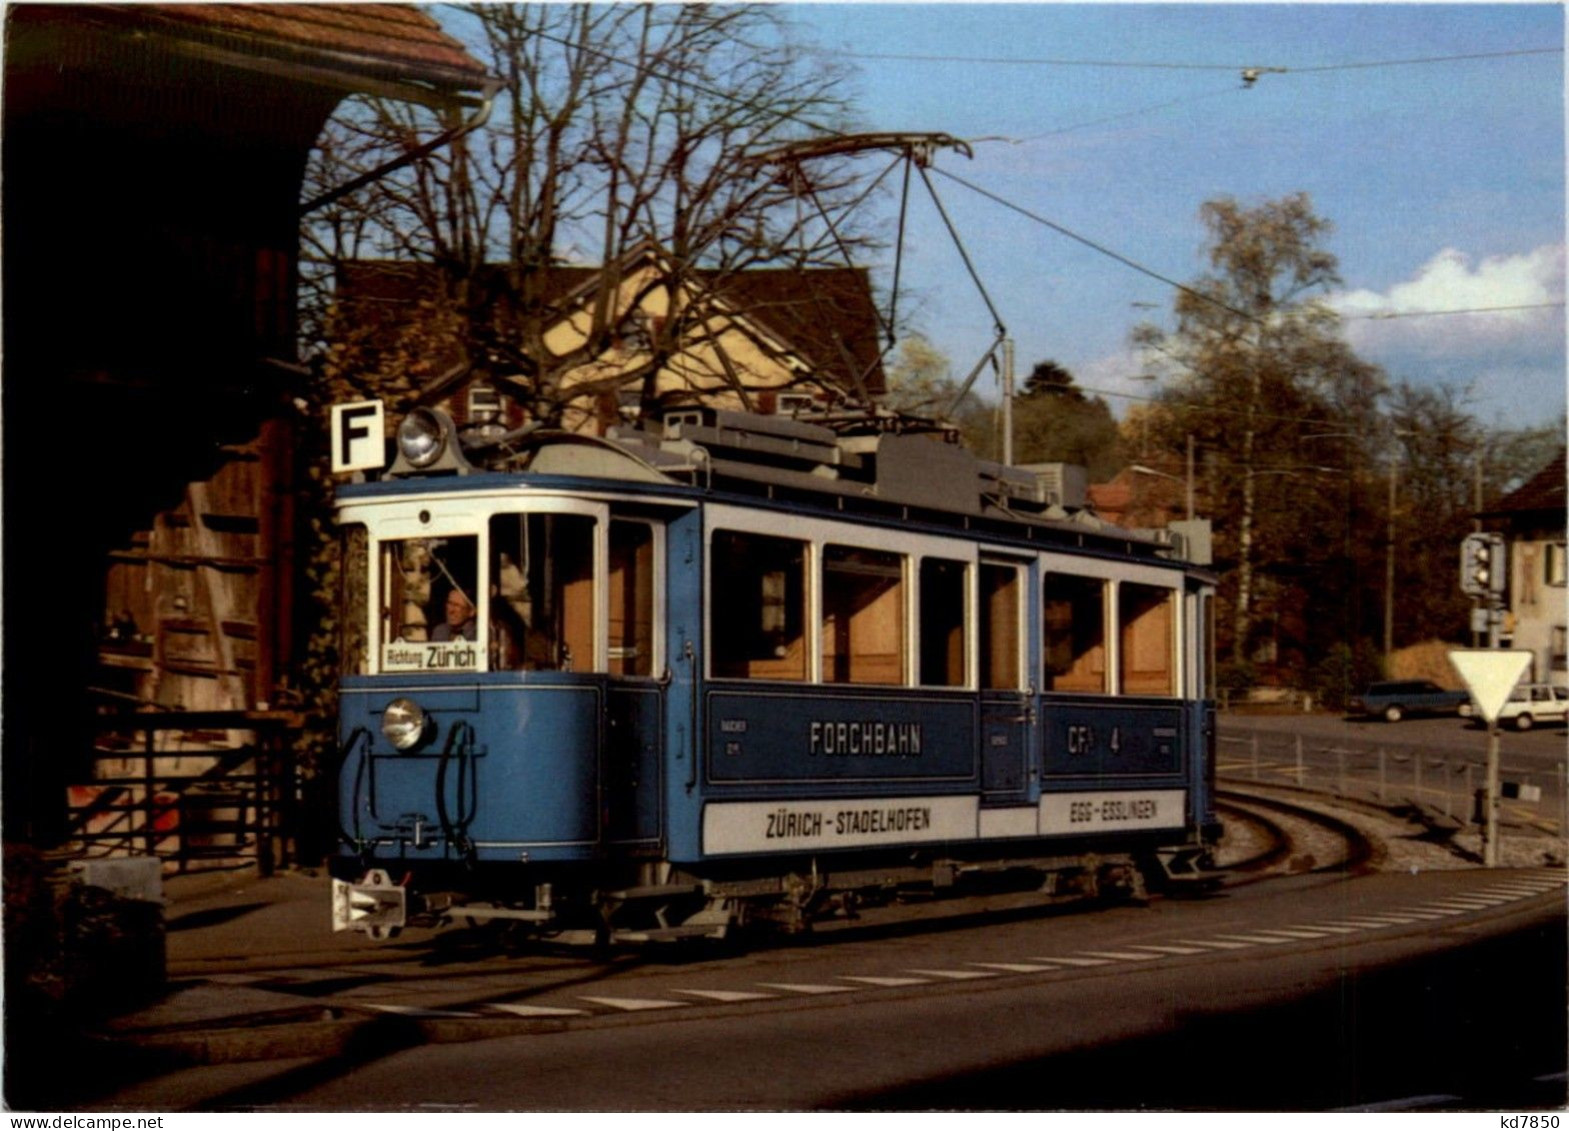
1395, 699
1533, 703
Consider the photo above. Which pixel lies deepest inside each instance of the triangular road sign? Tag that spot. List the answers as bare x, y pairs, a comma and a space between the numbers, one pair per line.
1490, 674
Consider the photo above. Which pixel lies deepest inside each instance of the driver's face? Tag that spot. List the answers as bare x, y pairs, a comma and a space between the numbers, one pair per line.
458, 608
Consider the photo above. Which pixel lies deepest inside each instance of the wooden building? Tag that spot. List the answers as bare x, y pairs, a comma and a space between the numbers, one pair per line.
153, 161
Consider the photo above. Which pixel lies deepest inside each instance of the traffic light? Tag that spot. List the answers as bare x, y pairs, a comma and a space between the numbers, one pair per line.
1482, 565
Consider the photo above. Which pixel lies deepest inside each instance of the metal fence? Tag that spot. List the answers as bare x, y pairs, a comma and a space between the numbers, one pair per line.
1447, 786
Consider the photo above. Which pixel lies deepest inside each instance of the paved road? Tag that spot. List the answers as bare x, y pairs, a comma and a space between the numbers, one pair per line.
1316, 991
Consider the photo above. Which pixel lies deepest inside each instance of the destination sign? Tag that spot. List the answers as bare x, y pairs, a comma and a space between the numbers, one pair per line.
1106, 811
431, 656
772, 826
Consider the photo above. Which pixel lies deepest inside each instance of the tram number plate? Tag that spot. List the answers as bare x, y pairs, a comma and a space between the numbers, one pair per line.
1126, 809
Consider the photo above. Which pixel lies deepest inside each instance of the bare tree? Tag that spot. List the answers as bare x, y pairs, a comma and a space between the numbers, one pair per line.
1255, 366
620, 139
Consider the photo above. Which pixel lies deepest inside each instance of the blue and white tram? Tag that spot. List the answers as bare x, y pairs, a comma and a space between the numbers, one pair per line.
739, 667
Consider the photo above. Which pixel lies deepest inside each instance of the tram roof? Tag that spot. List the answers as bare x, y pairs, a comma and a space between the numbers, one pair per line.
876, 465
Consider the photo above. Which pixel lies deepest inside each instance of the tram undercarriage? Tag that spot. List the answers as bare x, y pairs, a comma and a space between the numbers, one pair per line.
666, 903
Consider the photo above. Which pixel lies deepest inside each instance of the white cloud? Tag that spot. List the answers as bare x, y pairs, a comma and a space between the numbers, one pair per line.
1452, 282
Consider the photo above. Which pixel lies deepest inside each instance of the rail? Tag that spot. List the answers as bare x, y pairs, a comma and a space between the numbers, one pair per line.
1445, 787
189, 787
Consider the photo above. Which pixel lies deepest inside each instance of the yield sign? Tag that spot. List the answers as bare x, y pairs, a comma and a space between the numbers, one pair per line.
1490, 675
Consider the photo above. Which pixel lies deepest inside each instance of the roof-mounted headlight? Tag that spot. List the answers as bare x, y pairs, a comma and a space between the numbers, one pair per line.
428, 444
404, 724
422, 437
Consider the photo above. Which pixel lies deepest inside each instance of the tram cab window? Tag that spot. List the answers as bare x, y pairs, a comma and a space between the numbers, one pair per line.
757, 607
1073, 613
941, 622
1147, 618
353, 623
542, 592
429, 590
1000, 626
631, 598
863, 616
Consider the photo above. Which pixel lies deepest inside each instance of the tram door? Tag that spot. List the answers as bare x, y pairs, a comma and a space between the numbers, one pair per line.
1004, 692
634, 708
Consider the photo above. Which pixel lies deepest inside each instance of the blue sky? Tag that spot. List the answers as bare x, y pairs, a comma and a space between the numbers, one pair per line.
1444, 179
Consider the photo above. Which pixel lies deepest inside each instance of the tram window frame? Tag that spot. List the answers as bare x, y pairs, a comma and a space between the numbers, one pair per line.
645, 602
1146, 632
758, 596
1000, 660
419, 586
354, 599
943, 622
528, 589
1076, 649
864, 596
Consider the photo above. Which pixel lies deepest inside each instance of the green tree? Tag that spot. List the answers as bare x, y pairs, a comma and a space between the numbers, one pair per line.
1054, 422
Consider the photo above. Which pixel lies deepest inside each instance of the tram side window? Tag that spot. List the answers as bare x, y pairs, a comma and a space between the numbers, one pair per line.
542, 577
1073, 611
1000, 627
942, 623
631, 598
757, 606
428, 589
1147, 616
863, 616
353, 643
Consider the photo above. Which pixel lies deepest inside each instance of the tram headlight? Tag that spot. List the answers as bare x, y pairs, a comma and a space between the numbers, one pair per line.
404, 724
421, 437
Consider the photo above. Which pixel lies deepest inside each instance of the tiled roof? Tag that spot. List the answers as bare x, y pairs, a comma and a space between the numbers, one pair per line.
390, 40
1544, 491
810, 312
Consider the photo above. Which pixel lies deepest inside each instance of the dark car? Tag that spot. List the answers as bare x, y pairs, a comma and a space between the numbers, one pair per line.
1398, 698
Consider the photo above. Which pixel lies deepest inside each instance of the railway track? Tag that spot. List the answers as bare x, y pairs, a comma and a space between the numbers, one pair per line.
1269, 836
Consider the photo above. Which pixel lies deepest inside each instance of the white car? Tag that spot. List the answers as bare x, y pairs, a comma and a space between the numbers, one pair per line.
1532, 703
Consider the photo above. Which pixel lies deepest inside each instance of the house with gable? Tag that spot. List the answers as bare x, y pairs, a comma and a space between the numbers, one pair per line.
770, 341
1532, 521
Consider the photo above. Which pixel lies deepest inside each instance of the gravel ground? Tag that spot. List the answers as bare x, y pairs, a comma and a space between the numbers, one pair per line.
1402, 844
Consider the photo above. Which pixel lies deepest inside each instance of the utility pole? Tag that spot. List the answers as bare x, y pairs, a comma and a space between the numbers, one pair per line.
1190, 477
1007, 402
1389, 572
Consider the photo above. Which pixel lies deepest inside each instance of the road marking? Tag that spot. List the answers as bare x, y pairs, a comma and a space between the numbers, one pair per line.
1256, 939
1078, 961
1333, 930
1163, 949
1214, 944
729, 996
956, 975
536, 1010
807, 988
1363, 924
635, 1004
1429, 915
1463, 904
1292, 933
1386, 920
1120, 955
419, 1011
871, 980
1521, 890
1016, 967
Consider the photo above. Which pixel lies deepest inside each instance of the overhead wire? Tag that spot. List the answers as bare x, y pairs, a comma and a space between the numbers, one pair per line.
1249, 74
1129, 64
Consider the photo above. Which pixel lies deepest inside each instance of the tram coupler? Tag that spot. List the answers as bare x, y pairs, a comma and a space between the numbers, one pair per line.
373, 904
